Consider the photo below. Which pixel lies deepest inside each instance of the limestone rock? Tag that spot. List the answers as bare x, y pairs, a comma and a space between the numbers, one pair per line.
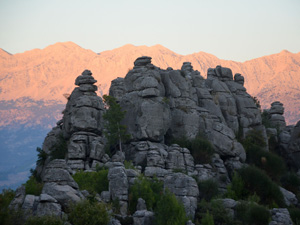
141, 204
289, 197
143, 217
185, 189
142, 61
280, 216
18, 199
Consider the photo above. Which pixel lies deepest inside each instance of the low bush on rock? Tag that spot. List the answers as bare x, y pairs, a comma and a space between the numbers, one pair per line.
295, 215
93, 182
44, 220
147, 189
291, 182
201, 149
251, 180
251, 213
216, 209
5, 198
33, 187
89, 213
169, 211
60, 149
208, 189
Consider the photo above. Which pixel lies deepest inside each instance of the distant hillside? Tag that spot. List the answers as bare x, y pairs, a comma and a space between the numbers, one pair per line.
45, 75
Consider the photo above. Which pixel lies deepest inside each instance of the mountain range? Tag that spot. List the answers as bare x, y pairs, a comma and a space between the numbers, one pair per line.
40, 78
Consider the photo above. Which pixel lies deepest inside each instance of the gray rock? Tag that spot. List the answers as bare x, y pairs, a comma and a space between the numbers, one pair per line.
29, 203
118, 157
47, 198
64, 194
18, 199
289, 197
143, 217
114, 221
239, 79
141, 204
58, 171
142, 61
105, 196
185, 189
49, 208
280, 216
277, 108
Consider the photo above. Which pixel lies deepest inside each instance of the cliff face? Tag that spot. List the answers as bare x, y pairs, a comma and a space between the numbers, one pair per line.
161, 105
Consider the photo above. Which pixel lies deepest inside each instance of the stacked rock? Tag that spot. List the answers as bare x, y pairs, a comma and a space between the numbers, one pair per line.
276, 115
239, 79
82, 124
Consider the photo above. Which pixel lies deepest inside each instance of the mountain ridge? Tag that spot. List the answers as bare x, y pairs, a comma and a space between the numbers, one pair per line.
47, 74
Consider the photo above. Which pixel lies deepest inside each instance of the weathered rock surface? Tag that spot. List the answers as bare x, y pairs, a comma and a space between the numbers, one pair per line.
280, 216
185, 189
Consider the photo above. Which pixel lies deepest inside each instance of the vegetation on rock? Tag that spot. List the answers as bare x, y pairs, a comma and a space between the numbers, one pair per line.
33, 187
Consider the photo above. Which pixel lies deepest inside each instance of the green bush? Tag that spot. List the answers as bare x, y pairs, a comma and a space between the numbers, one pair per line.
93, 182
6, 197
169, 211
254, 138
207, 219
33, 187
252, 214
291, 182
200, 148
236, 190
208, 189
44, 220
60, 149
89, 213
129, 165
147, 189
273, 164
256, 181
295, 215
42, 156
216, 209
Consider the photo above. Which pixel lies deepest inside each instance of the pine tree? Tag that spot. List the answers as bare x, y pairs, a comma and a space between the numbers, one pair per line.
115, 131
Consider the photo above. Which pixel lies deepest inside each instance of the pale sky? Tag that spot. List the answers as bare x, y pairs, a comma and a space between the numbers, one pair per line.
229, 29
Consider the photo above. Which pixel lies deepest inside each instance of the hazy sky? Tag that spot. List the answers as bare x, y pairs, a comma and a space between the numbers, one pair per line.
230, 29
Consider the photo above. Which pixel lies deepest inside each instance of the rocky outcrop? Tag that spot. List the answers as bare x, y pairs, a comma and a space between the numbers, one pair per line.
280, 216
276, 115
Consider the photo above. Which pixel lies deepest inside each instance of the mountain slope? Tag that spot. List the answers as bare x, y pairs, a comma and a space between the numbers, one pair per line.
47, 74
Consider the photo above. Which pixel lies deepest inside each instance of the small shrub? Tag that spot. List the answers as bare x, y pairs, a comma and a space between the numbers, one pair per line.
295, 215
208, 189
89, 213
291, 182
270, 162
149, 190
207, 219
236, 190
265, 117
129, 165
254, 138
60, 149
33, 187
256, 181
253, 214
216, 209
6, 197
200, 148
42, 156
44, 220
169, 211
93, 182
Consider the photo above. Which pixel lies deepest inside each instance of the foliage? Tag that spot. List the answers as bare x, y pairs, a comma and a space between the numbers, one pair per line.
257, 102
236, 190
89, 213
169, 211
254, 138
251, 213
291, 182
6, 197
33, 187
44, 220
216, 209
256, 181
129, 165
208, 189
36, 175
207, 219
93, 182
60, 149
147, 189
42, 156
265, 117
200, 148
295, 215
270, 162
115, 131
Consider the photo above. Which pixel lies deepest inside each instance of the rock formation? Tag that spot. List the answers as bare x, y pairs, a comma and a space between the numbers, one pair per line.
161, 105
